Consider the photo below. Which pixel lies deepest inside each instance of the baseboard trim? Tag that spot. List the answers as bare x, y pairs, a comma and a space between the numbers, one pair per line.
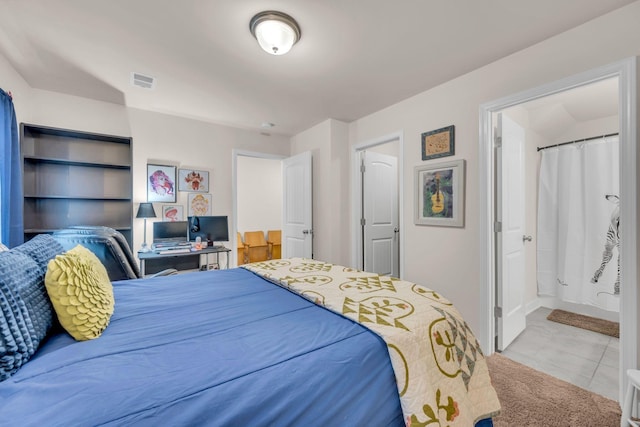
532, 306
587, 310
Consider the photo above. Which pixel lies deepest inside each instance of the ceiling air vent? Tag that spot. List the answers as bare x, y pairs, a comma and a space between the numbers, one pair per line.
140, 80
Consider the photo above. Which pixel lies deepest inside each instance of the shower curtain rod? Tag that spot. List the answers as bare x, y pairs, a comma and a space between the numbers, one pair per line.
578, 140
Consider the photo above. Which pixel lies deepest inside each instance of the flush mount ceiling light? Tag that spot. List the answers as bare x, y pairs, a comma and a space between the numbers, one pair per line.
276, 32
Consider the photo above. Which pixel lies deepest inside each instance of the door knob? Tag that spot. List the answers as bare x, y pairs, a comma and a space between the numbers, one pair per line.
526, 238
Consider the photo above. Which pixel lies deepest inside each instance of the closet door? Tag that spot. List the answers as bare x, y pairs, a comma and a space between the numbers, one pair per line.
380, 213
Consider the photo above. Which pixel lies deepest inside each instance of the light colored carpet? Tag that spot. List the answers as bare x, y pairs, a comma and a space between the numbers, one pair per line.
594, 324
530, 398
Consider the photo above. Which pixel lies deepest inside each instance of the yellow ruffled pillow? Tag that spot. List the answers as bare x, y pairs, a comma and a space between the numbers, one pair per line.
81, 293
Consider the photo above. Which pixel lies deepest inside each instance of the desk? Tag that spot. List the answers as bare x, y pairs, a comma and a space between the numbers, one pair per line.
153, 262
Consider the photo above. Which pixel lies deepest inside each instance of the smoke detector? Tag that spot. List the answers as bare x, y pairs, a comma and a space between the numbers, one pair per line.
140, 80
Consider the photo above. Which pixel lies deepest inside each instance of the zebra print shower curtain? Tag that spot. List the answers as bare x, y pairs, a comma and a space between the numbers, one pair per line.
577, 251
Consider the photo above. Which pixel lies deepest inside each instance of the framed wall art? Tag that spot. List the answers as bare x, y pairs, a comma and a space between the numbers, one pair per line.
161, 183
439, 198
199, 204
438, 143
173, 213
193, 180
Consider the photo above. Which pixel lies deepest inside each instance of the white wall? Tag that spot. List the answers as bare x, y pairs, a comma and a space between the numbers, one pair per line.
448, 259
72, 112
175, 140
156, 138
589, 128
259, 193
328, 143
532, 168
11, 81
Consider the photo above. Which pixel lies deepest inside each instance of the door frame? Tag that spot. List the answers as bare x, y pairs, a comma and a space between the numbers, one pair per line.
625, 71
356, 198
235, 153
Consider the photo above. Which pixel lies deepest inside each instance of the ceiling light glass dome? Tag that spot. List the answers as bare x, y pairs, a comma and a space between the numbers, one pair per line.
276, 32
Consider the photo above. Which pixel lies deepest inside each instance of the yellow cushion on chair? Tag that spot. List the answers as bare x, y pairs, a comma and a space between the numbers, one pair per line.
81, 293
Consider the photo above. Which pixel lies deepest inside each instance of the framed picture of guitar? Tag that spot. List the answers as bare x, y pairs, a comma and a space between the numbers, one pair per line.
439, 194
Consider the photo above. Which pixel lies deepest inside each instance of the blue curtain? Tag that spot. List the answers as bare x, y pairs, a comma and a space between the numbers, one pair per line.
11, 224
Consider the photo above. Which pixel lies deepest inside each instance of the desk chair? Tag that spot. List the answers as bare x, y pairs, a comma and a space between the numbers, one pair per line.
109, 246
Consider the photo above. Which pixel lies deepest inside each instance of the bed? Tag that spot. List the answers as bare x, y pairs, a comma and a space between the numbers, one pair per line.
224, 348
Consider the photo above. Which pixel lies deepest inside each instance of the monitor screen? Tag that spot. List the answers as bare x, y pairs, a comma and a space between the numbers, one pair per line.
212, 228
164, 231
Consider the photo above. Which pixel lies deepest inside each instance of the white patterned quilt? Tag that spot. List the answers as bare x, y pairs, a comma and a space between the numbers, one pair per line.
441, 373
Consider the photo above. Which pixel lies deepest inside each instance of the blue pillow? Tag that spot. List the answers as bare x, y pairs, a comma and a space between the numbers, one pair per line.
42, 248
26, 313
21, 327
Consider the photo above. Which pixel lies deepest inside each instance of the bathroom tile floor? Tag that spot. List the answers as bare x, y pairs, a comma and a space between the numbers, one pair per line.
584, 358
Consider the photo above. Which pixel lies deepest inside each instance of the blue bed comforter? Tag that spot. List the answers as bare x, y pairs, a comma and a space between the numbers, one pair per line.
220, 348
223, 348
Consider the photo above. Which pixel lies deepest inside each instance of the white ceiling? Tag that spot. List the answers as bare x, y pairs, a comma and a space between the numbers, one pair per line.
354, 58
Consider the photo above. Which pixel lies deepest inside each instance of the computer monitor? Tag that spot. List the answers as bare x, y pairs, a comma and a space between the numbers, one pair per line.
211, 228
170, 231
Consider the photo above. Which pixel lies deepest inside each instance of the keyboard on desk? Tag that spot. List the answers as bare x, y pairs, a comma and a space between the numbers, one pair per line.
174, 250
171, 244
171, 247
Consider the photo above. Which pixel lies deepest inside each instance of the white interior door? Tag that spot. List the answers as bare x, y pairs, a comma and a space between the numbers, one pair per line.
297, 230
510, 241
380, 213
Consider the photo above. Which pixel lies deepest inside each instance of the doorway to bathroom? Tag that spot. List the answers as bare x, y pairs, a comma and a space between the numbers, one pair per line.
504, 280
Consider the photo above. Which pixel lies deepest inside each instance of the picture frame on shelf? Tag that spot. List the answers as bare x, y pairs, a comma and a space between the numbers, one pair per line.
161, 183
199, 204
193, 180
438, 143
439, 194
173, 213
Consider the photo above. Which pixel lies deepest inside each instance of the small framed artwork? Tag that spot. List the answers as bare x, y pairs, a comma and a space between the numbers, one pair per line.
193, 180
438, 143
173, 213
439, 198
161, 183
199, 204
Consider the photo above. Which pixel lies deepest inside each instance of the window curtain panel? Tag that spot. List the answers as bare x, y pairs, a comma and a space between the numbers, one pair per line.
11, 224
